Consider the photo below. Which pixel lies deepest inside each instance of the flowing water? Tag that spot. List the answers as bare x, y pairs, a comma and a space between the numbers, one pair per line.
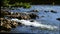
49, 20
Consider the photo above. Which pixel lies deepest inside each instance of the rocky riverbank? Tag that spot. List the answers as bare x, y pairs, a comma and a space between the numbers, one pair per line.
6, 16
7, 24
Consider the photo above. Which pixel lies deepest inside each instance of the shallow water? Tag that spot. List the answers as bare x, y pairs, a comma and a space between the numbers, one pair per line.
48, 19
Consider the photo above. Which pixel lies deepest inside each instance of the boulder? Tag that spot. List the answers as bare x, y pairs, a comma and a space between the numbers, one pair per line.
53, 11
25, 17
31, 20
14, 24
7, 24
33, 16
58, 19
3, 13
4, 25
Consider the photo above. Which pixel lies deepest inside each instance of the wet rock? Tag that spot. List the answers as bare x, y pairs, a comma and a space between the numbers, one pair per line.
23, 16
26, 17
3, 13
17, 15
7, 24
5, 27
31, 20
53, 11
34, 11
58, 19
42, 16
46, 11
1, 18
19, 23
33, 16
31, 26
14, 24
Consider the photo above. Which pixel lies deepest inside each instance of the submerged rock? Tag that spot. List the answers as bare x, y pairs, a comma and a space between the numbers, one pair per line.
53, 11
58, 19
34, 11
42, 16
31, 20
46, 11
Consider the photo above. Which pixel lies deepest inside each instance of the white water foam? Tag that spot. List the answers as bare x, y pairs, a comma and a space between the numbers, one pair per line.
35, 24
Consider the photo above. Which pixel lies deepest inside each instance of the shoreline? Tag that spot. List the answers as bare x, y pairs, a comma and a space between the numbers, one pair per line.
26, 16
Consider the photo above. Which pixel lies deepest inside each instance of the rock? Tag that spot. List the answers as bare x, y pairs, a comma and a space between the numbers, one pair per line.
23, 16
26, 17
31, 26
53, 11
2, 31
33, 16
58, 19
19, 23
3, 13
1, 18
14, 24
42, 16
31, 20
46, 11
7, 24
34, 11
6, 27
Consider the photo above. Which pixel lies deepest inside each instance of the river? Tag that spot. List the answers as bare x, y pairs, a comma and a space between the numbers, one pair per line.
48, 19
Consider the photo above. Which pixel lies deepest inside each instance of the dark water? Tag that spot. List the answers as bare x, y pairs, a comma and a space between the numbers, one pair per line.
48, 19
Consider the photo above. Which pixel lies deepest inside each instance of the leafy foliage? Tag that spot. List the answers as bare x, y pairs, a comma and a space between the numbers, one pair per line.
15, 3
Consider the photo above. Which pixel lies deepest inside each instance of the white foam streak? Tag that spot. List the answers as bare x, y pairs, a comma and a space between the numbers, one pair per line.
35, 24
